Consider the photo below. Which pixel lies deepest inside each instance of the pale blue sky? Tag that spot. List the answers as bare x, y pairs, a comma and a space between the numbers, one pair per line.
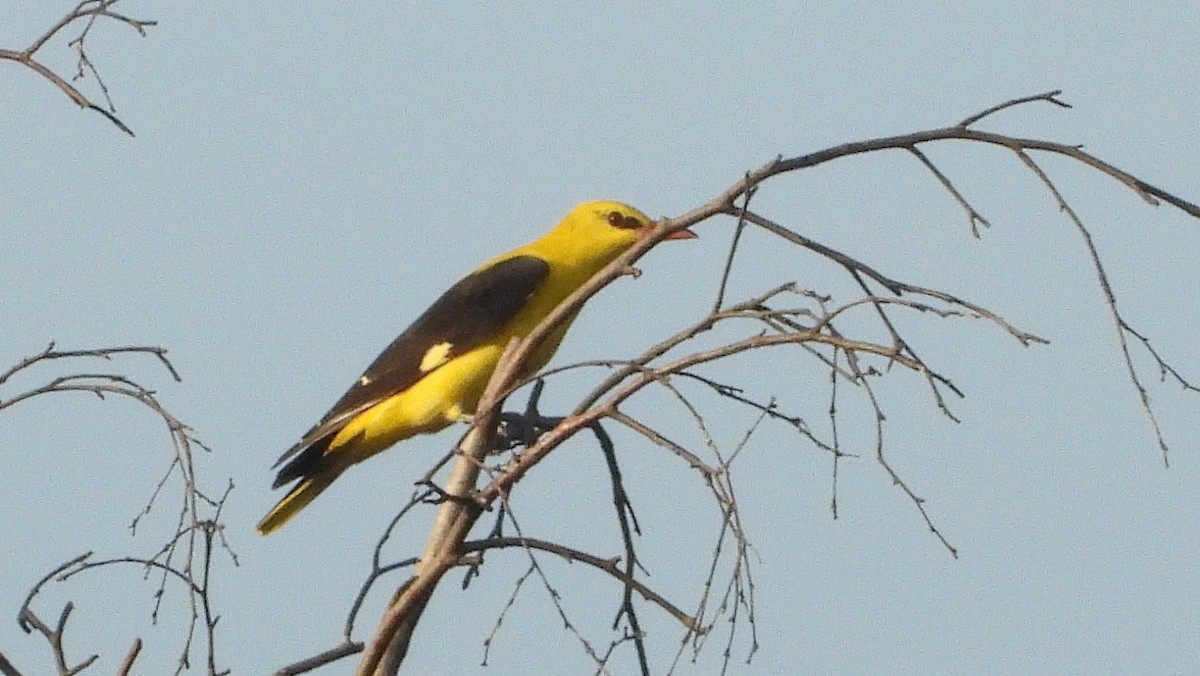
305, 180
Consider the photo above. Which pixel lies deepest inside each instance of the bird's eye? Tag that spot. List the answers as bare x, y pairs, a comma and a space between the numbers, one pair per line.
620, 220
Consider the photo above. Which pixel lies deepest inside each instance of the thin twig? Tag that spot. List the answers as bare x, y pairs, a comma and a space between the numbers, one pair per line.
88, 11
1048, 97
608, 566
849, 360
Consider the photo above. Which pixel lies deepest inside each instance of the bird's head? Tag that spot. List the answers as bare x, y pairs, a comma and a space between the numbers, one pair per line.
608, 227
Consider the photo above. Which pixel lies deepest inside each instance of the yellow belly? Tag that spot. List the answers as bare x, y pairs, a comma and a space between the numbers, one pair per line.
437, 400
441, 398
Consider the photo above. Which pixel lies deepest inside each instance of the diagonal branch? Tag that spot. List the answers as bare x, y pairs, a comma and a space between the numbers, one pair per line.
608, 566
88, 11
813, 330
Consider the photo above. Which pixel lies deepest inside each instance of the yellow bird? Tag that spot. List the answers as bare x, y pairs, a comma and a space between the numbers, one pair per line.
434, 373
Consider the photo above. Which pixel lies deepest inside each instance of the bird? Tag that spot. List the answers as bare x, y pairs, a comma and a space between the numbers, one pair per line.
433, 374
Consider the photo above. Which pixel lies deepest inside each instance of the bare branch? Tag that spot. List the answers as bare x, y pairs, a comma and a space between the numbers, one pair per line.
733, 246
344, 649
975, 218
1048, 97
814, 327
389, 644
7, 668
87, 11
186, 556
556, 600
130, 658
28, 619
1109, 299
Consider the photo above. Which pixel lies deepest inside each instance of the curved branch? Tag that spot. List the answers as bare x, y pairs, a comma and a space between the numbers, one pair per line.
608, 566
187, 553
88, 11
808, 329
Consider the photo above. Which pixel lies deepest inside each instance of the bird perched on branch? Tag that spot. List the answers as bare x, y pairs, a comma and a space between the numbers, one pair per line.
434, 373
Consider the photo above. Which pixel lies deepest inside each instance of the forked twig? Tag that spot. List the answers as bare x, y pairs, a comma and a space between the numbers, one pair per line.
87, 11
815, 327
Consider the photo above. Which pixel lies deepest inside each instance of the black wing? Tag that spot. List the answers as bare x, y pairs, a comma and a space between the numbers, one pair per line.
469, 313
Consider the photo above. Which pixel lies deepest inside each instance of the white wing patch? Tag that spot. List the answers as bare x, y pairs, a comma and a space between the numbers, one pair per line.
364, 381
435, 356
